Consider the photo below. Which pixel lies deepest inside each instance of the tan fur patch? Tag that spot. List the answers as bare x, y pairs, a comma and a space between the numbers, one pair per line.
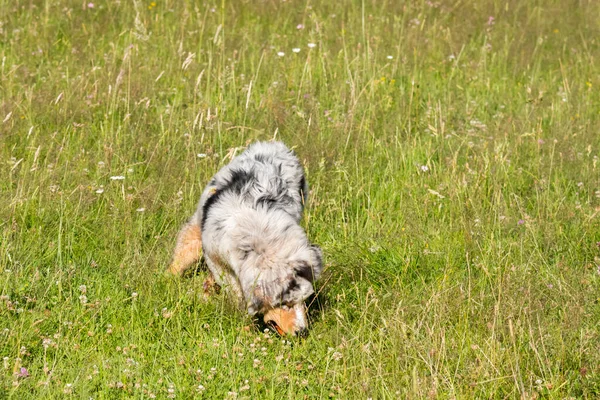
284, 321
187, 250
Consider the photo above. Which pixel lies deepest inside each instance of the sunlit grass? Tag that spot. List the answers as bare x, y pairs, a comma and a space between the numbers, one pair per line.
452, 154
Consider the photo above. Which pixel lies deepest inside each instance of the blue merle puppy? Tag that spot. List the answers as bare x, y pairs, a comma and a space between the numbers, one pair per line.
248, 226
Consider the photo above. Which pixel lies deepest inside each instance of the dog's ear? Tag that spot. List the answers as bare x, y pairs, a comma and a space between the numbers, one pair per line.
317, 260
291, 290
295, 290
310, 269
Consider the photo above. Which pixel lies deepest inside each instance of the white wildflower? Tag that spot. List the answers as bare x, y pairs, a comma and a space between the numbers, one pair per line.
68, 388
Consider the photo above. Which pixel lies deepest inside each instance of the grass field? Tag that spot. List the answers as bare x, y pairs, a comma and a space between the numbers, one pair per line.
452, 149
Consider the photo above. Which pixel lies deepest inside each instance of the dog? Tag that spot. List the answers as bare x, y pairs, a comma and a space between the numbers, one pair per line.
247, 224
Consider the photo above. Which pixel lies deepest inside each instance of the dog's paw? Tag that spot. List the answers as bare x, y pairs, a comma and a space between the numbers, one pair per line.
171, 270
210, 287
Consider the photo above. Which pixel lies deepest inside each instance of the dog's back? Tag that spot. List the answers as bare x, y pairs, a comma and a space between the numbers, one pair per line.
265, 175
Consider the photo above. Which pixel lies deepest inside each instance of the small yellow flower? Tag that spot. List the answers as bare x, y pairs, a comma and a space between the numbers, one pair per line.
589, 84
382, 79
555, 31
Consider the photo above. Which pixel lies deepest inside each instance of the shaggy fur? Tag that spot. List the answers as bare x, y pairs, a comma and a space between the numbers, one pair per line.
249, 216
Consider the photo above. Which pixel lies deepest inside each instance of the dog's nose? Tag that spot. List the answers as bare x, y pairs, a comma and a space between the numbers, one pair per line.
302, 333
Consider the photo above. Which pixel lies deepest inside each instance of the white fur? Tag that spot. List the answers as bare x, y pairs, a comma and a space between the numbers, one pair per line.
253, 244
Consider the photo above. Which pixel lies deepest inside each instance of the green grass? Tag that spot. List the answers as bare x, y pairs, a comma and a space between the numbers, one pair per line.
455, 190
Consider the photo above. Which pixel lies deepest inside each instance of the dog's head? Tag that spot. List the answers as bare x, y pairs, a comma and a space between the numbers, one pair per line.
280, 291
275, 265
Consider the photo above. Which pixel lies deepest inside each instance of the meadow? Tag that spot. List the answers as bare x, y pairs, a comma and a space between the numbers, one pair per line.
452, 152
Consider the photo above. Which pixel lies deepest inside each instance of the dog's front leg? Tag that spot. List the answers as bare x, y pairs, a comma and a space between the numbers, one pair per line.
225, 278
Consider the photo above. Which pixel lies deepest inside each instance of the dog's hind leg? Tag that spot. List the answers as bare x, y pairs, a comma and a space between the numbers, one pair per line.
187, 250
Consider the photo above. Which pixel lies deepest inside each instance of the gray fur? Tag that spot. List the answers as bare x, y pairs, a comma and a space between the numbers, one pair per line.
253, 244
